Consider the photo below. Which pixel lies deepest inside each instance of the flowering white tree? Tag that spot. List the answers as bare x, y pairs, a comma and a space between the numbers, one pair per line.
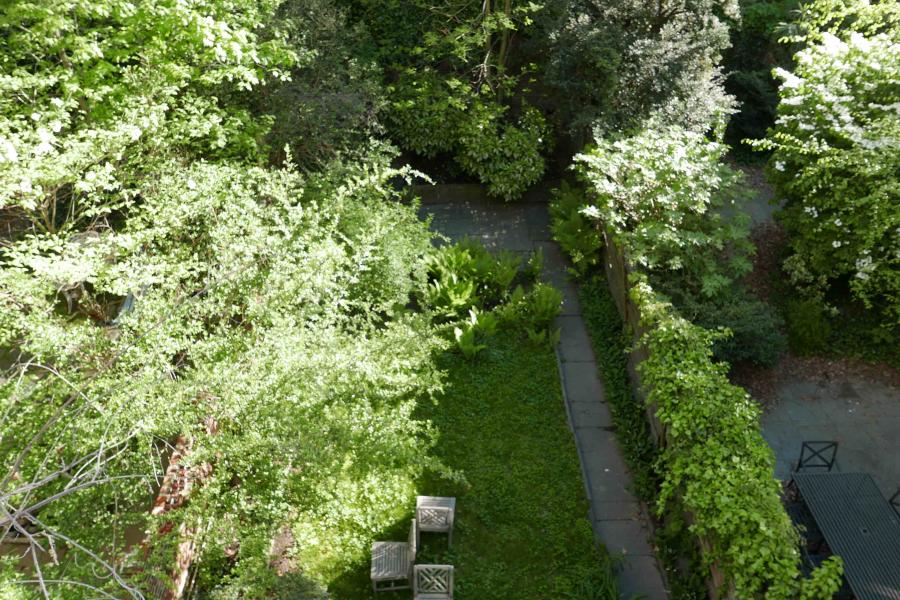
665, 192
836, 157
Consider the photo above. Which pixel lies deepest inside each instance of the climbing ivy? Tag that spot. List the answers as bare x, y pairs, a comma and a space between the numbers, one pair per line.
715, 461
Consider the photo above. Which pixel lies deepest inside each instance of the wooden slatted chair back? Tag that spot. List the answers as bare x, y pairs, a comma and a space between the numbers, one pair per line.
413, 537
433, 582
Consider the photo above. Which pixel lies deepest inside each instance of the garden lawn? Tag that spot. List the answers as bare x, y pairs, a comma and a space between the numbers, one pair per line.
522, 528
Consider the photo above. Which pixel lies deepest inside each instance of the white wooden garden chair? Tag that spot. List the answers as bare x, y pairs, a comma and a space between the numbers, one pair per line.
392, 563
433, 582
436, 513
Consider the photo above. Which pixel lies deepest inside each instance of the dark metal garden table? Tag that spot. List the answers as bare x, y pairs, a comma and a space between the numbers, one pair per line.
860, 526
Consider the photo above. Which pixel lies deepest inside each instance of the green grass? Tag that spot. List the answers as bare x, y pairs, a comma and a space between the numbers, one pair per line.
522, 528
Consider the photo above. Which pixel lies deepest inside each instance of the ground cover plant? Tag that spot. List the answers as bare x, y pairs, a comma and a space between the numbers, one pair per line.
522, 529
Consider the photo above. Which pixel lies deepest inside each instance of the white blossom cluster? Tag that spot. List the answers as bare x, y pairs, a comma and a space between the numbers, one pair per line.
836, 162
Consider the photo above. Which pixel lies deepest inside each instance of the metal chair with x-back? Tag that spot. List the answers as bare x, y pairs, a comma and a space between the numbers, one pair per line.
817, 455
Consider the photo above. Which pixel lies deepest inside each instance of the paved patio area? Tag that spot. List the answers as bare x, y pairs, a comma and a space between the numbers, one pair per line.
863, 416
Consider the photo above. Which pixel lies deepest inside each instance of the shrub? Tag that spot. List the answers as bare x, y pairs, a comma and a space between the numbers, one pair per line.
465, 274
836, 152
505, 156
534, 309
756, 329
715, 462
466, 277
611, 64
749, 61
426, 112
543, 304
577, 235
255, 307
666, 197
534, 268
807, 325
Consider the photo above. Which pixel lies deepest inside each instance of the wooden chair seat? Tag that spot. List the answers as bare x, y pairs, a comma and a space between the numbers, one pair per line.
390, 560
392, 563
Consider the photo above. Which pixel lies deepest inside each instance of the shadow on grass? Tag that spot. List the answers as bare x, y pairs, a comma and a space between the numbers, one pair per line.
522, 529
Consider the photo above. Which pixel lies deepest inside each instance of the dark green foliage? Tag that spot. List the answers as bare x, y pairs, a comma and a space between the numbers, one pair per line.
578, 236
331, 103
754, 52
807, 325
611, 64
756, 328
450, 84
855, 331
862, 336
466, 279
426, 111
678, 551
465, 274
504, 155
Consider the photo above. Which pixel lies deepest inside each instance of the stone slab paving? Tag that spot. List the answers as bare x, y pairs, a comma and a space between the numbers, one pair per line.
619, 520
861, 415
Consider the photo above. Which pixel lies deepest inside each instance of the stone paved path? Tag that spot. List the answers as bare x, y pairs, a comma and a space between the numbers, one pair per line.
618, 518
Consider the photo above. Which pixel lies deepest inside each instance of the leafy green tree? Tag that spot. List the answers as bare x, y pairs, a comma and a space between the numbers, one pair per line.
664, 192
269, 330
158, 288
755, 50
836, 152
93, 86
451, 86
332, 103
615, 62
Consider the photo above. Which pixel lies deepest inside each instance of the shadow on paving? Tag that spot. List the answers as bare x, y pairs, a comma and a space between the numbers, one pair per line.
863, 416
